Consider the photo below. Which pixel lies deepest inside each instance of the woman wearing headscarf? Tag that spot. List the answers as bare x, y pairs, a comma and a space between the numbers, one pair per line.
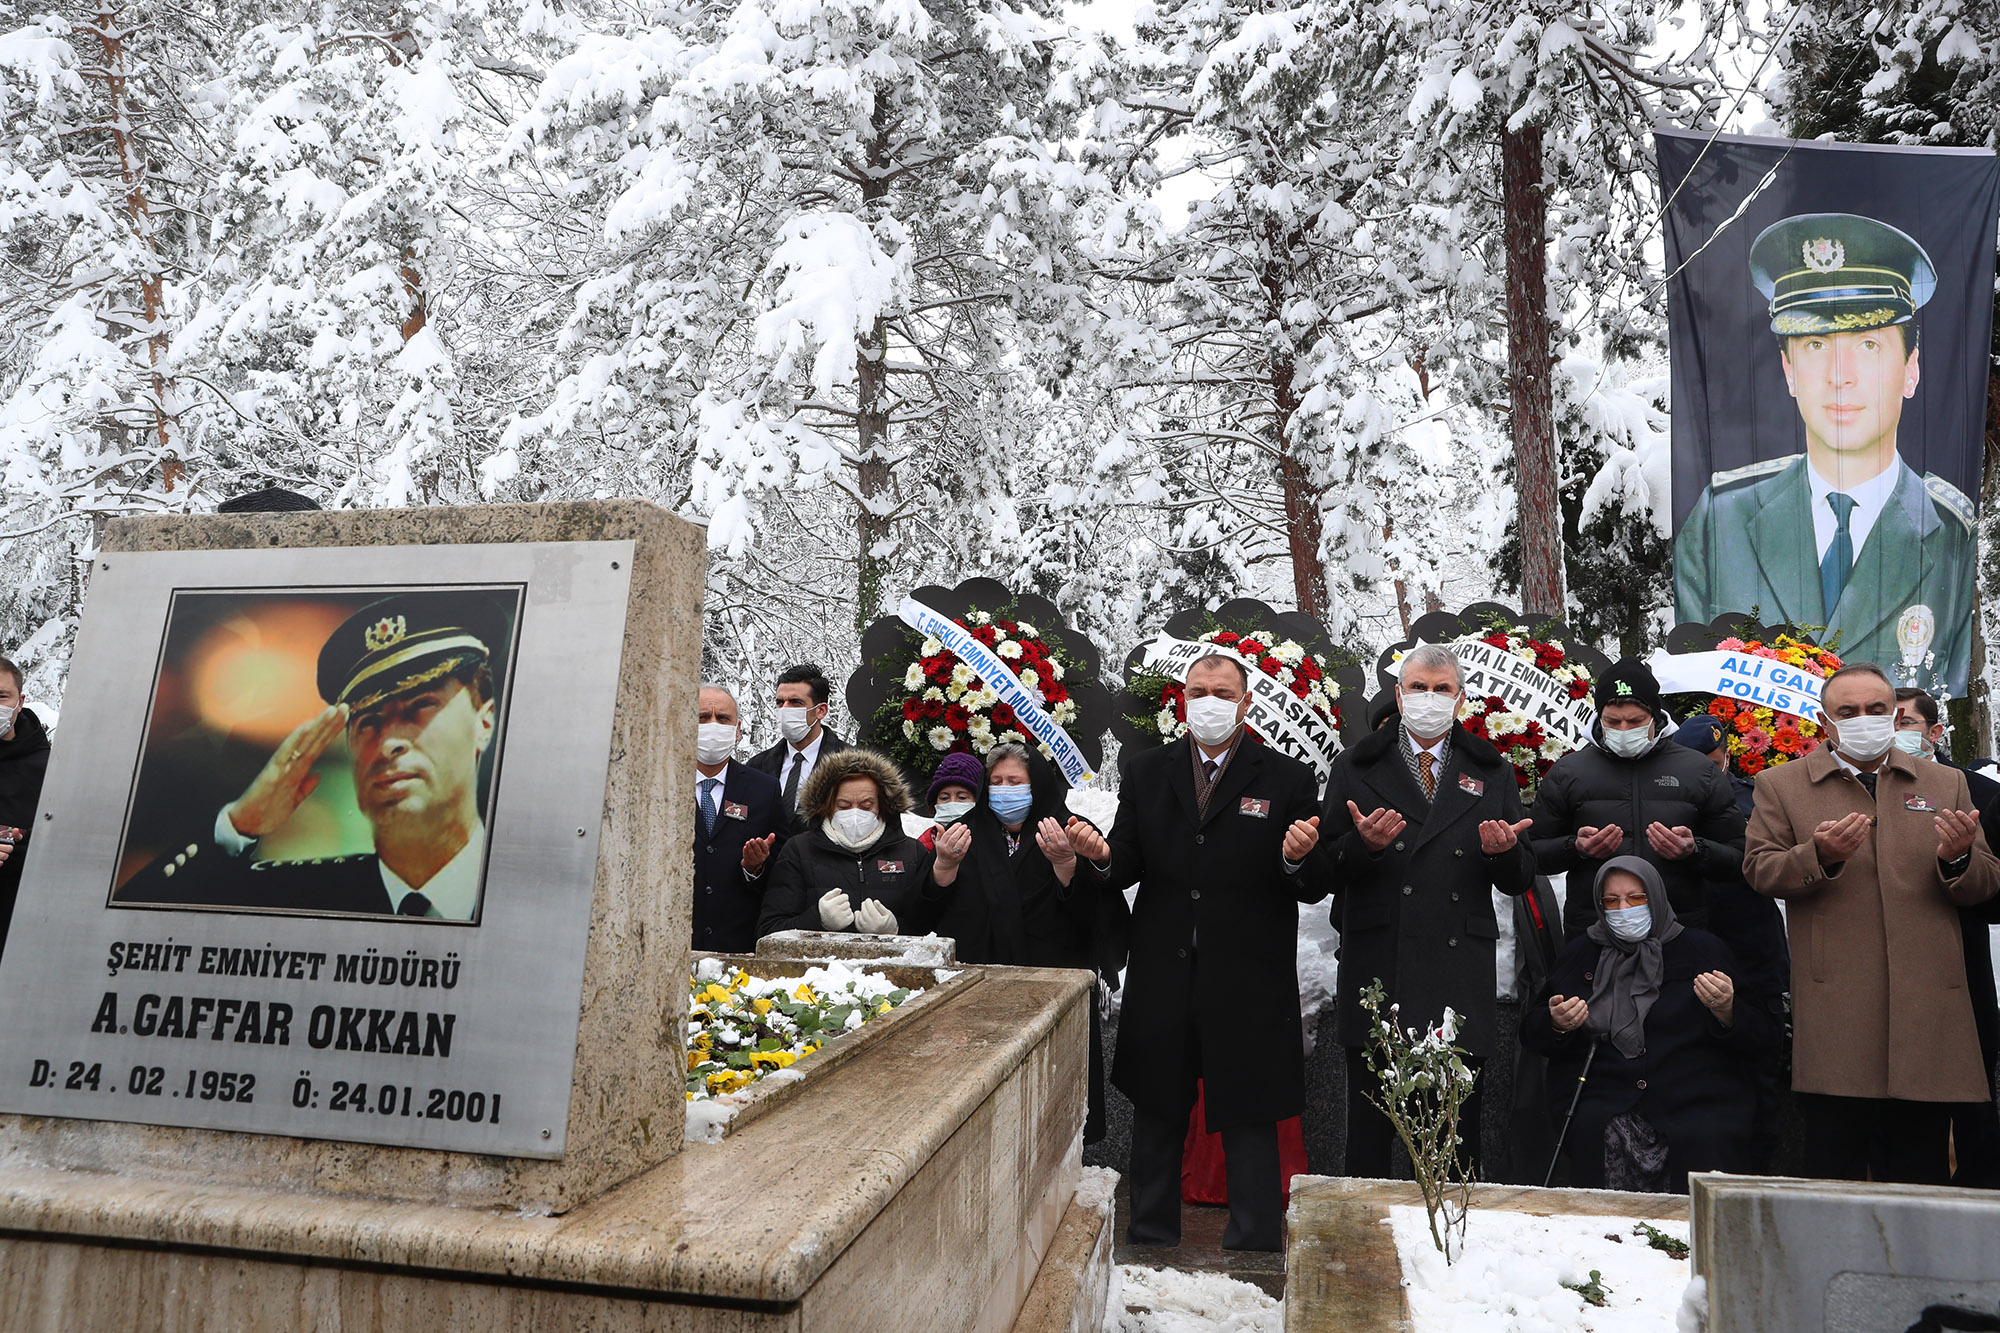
853, 869
1671, 1087
1019, 895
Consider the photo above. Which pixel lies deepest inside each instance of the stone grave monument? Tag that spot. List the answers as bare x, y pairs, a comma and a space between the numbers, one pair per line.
1828, 1256
348, 983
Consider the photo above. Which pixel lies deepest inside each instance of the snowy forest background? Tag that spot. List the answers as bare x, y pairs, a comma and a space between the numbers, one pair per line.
1131, 310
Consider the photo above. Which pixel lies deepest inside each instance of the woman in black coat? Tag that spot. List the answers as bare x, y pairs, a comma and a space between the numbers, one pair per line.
1016, 893
853, 868
1671, 1089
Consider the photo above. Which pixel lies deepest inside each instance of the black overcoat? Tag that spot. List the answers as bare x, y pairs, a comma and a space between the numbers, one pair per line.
1695, 1082
23, 763
1211, 988
895, 870
1418, 915
726, 900
1013, 910
1669, 783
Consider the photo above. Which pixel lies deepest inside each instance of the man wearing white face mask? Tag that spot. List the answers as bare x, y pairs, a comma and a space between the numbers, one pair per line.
1634, 792
1874, 852
24, 757
801, 695
1221, 835
739, 822
1423, 821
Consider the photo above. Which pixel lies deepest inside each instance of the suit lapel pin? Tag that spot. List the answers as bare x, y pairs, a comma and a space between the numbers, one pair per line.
1468, 783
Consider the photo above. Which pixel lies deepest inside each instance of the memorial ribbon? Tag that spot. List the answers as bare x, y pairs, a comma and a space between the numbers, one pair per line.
1745, 677
1525, 688
1282, 718
1027, 706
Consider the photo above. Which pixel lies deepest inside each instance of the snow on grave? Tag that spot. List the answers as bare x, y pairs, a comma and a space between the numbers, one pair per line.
1521, 1273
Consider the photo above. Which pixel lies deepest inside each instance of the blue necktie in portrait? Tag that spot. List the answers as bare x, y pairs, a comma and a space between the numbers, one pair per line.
1839, 557
707, 802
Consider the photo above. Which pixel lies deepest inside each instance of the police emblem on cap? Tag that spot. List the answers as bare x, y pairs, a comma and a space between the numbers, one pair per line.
385, 633
1823, 254
409, 641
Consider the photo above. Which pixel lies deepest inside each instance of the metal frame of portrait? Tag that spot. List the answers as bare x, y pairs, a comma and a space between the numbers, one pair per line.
508, 1023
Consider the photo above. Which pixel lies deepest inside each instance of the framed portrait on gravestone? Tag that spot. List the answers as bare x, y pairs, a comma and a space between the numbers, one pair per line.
321, 845
322, 751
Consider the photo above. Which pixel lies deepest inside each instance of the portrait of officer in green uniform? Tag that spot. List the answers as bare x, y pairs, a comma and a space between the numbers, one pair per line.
1846, 535
408, 686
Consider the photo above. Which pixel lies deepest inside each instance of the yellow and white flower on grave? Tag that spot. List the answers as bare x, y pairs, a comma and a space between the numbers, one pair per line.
761, 1025
913, 679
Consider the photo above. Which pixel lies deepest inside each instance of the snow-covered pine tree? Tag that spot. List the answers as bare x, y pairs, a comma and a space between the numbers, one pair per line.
100, 161
1532, 135
822, 232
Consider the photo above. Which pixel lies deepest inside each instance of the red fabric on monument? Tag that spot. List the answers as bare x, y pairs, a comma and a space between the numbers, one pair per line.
1204, 1177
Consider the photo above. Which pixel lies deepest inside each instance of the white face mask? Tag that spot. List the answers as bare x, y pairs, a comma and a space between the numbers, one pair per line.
1630, 924
714, 741
1212, 720
7, 715
795, 723
1629, 744
1913, 742
1427, 713
1866, 738
950, 810
856, 827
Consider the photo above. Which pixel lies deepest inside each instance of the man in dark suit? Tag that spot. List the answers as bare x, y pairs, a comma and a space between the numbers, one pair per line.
1422, 820
739, 822
802, 693
1221, 835
408, 682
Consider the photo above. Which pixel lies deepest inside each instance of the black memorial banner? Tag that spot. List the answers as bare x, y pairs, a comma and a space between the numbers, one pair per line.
1830, 319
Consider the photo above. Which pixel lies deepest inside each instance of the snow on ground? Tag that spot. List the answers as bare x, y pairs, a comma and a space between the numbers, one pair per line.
1509, 1279
1166, 1300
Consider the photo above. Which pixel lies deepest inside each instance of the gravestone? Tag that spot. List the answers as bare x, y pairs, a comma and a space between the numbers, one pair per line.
1824, 1256
176, 1011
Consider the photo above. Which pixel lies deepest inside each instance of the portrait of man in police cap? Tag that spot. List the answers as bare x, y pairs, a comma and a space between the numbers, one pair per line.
1845, 535
345, 770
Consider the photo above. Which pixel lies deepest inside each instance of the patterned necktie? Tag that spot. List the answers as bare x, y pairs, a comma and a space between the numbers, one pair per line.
1427, 770
707, 803
1208, 767
415, 904
1839, 557
792, 779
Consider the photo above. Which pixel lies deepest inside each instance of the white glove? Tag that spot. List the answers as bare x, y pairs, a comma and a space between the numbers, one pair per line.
875, 919
834, 913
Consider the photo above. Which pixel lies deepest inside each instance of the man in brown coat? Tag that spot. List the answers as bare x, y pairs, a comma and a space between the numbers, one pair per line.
1875, 851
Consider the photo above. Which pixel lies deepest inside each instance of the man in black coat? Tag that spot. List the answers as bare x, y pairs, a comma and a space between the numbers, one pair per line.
1633, 792
1221, 835
739, 822
1423, 820
24, 759
802, 692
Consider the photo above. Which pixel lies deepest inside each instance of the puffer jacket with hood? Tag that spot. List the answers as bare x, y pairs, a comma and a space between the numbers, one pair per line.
894, 869
1592, 788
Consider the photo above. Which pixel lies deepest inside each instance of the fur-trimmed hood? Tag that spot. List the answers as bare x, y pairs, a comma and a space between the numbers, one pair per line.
816, 801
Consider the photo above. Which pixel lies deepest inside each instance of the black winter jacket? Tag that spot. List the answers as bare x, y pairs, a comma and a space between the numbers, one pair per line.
1592, 788
23, 763
895, 870
1694, 1081
1014, 910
